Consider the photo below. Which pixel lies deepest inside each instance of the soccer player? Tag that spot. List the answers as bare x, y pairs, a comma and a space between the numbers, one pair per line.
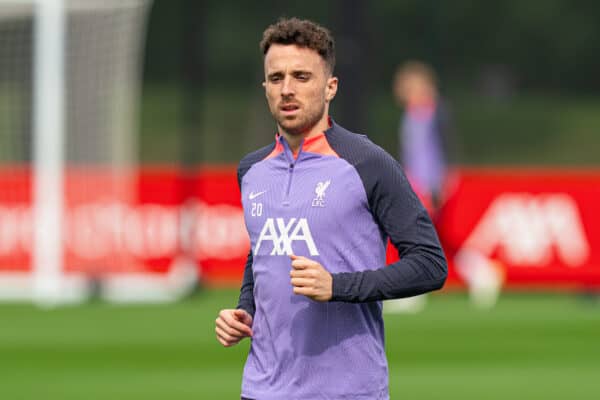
319, 204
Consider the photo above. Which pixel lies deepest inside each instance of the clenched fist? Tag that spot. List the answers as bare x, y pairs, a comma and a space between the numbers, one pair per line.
310, 279
232, 326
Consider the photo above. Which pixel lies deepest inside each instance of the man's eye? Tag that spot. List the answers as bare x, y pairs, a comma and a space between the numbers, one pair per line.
275, 79
302, 77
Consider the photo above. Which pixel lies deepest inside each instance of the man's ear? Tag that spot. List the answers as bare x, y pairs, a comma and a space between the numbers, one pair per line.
331, 88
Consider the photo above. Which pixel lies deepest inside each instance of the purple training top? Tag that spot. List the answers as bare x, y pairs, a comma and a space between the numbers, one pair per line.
422, 148
337, 203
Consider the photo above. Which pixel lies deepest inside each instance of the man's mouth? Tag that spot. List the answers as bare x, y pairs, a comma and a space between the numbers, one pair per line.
289, 108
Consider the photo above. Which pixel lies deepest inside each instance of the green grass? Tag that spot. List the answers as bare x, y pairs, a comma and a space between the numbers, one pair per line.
529, 347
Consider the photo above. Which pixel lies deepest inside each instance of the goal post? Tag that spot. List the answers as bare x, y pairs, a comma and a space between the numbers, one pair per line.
48, 159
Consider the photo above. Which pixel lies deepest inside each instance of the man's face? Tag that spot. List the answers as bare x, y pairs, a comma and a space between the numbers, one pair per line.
298, 87
415, 89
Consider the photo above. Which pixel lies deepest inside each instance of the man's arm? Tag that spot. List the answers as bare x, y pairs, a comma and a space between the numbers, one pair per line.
420, 270
246, 299
422, 266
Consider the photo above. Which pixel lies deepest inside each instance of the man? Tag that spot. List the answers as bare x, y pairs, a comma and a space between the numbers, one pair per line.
424, 130
319, 205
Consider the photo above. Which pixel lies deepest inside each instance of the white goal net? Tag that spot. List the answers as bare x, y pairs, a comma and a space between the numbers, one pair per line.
70, 73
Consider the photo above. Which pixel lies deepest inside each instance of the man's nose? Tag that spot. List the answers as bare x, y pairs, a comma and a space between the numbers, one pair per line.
287, 88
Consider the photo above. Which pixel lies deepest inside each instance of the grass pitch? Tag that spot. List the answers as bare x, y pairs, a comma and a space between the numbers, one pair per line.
529, 347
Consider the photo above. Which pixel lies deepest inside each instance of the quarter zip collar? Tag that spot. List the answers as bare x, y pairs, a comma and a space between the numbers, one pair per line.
287, 150
316, 144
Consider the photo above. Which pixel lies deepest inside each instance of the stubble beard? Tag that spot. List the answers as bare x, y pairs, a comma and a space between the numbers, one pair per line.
300, 124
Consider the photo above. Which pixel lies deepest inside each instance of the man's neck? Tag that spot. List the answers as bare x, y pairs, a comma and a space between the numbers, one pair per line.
294, 141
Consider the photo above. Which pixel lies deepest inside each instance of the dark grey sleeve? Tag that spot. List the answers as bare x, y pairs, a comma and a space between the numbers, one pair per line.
401, 216
246, 300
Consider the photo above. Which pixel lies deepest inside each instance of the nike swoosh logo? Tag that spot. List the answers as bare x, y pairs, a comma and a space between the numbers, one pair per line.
253, 195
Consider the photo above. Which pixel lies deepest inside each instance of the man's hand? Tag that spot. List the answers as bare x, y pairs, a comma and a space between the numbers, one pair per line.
233, 326
310, 279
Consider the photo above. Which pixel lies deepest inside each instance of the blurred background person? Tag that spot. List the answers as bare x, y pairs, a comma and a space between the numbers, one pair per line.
423, 132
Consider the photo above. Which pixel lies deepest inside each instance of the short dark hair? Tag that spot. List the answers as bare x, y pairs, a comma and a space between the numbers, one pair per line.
303, 33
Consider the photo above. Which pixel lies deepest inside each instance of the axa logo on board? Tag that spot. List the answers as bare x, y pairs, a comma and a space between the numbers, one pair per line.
283, 234
530, 230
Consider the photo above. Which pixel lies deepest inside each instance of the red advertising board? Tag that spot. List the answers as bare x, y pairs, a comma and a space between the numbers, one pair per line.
533, 227
541, 227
